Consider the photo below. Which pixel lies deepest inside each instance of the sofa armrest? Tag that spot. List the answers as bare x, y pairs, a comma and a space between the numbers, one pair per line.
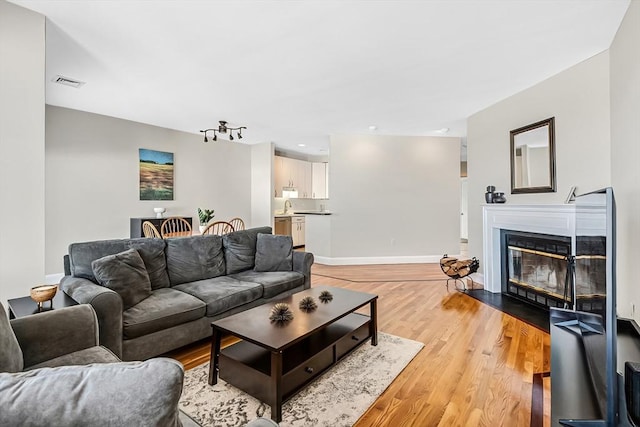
107, 305
51, 334
115, 394
302, 262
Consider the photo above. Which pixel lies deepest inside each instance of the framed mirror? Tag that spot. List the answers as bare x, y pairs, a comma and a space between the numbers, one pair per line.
533, 158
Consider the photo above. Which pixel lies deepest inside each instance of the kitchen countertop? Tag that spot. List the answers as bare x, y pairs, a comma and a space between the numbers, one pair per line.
302, 213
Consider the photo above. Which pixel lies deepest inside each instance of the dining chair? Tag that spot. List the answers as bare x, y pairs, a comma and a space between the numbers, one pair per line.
150, 230
175, 227
219, 228
238, 224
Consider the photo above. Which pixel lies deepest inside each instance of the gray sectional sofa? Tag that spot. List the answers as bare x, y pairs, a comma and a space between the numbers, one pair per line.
192, 281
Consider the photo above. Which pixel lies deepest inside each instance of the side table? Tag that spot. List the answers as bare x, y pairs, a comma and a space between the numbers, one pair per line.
25, 306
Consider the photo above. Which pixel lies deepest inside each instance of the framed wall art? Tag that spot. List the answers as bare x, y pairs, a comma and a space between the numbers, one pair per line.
156, 175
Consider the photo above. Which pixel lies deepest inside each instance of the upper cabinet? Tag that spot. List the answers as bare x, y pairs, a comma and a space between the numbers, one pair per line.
301, 175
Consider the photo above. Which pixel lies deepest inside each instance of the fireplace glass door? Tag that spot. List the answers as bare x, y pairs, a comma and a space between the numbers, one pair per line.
537, 267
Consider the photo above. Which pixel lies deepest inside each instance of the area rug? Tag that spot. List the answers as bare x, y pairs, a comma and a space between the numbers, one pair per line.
337, 398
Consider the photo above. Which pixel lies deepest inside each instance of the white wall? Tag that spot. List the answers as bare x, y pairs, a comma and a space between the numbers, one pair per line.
92, 177
625, 156
394, 196
261, 184
22, 116
578, 98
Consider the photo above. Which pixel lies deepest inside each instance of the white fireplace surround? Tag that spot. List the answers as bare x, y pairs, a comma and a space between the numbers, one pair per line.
556, 220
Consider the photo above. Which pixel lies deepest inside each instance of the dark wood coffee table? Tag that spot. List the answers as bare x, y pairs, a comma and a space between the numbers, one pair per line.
273, 362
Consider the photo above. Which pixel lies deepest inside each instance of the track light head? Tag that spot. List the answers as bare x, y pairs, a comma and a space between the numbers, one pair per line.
223, 127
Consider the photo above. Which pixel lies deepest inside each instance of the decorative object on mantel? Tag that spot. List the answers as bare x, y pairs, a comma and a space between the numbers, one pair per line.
280, 313
325, 296
488, 196
458, 269
205, 215
571, 196
156, 175
159, 212
498, 197
308, 304
223, 128
43, 293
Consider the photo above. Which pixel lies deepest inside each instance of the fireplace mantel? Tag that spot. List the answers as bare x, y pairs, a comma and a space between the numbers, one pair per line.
545, 219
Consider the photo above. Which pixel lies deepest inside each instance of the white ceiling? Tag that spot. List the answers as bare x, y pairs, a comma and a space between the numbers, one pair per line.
295, 72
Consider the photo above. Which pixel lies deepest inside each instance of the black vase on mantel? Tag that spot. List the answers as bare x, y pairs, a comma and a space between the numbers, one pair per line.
499, 197
488, 196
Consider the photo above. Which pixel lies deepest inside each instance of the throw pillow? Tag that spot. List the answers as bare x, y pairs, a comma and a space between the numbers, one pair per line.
125, 274
274, 253
190, 259
240, 248
152, 253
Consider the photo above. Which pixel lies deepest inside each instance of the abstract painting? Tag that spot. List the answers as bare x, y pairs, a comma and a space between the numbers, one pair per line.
156, 175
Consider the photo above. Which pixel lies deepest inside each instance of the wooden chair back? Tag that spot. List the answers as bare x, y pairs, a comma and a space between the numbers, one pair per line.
218, 228
238, 224
175, 227
150, 230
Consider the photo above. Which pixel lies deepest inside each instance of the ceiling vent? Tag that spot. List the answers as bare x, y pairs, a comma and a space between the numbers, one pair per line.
67, 81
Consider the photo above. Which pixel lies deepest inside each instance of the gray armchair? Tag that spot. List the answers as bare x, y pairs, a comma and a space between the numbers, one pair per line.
52, 371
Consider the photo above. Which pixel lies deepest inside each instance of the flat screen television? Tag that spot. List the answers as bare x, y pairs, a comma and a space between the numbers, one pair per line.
589, 329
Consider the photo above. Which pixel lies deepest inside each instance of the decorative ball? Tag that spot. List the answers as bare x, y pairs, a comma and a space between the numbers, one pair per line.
308, 304
281, 313
326, 296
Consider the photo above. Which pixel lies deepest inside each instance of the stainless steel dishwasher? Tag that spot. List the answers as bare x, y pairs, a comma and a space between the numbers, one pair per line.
282, 226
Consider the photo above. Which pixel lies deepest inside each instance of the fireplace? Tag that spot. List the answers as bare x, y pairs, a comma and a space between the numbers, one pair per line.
540, 269
536, 268
590, 274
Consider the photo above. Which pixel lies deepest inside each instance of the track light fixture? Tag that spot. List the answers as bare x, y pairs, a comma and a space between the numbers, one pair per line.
223, 128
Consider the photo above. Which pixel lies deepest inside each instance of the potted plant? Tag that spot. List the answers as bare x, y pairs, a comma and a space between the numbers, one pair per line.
205, 215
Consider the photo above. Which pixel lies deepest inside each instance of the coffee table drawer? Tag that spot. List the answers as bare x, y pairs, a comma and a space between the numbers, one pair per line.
350, 341
306, 372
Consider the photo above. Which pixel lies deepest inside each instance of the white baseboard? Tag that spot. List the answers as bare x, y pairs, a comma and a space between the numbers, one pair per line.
423, 259
478, 278
53, 279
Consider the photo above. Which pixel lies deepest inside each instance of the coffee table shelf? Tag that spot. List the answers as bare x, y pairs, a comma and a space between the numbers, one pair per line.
248, 366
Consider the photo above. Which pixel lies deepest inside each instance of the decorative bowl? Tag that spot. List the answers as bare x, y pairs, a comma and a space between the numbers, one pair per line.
43, 293
159, 212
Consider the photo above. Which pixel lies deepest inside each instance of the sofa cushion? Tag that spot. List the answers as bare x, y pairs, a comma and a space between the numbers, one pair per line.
152, 253
194, 258
125, 274
81, 255
112, 394
274, 282
163, 309
274, 253
222, 293
240, 248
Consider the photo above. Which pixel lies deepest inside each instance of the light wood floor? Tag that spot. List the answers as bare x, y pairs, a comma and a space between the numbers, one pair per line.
477, 365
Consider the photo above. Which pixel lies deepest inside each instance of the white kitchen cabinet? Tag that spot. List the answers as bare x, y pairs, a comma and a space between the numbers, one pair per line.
297, 230
319, 180
292, 173
281, 175
303, 179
